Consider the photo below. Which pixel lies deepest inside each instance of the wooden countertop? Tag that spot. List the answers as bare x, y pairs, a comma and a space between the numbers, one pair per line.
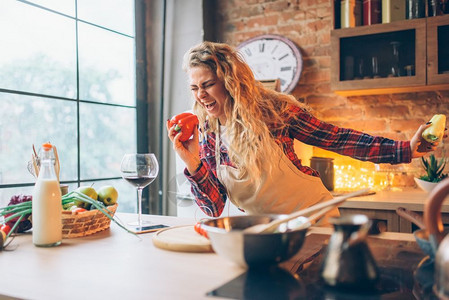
111, 264
412, 199
116, 265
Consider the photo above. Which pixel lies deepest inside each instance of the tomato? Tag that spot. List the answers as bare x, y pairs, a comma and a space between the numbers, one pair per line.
5, 228
76, 210
200, 230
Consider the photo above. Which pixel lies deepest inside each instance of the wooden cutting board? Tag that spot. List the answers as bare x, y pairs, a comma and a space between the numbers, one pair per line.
182, 239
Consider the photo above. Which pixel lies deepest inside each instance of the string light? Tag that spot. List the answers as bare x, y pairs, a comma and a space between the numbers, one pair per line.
349, 178
351, 174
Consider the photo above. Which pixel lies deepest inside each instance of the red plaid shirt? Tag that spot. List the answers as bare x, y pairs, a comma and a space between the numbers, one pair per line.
210, 194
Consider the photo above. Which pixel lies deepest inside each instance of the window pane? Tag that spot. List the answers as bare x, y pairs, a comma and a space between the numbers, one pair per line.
117, 15
107, 133
107, 68
63, 6
7, 193
40, 55
27, 120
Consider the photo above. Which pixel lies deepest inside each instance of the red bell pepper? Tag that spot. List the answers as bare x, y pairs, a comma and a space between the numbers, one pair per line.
185, 123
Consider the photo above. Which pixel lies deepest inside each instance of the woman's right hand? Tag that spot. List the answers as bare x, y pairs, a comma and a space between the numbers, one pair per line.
189, 150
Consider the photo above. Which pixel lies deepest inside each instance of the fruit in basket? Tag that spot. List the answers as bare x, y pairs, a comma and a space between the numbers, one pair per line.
88, 191
68, 206
108, 195
75, 209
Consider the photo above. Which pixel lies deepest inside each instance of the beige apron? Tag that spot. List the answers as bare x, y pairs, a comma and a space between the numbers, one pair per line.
285, 190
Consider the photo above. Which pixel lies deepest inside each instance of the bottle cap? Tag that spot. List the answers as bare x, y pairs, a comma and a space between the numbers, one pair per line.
47, 146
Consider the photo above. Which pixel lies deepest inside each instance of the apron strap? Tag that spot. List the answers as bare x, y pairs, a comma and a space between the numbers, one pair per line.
217, 151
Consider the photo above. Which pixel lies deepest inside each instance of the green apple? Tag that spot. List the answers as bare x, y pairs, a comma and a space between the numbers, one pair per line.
68, 205
108, 195
88, 191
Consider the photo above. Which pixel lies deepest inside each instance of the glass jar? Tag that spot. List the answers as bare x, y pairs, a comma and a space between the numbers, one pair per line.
415, 9
434, 8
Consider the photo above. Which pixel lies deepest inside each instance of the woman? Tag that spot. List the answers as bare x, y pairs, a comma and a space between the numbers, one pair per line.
246, 134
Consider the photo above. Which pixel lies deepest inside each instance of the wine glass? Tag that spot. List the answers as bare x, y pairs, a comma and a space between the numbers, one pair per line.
375, 67
139, 170
395, 69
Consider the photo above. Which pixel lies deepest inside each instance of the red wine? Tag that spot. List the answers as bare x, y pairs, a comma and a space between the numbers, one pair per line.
140, 182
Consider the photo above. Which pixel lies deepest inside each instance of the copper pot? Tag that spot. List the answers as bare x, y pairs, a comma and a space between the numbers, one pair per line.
437, 237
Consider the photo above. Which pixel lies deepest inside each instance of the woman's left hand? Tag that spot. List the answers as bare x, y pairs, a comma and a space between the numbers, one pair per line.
419, 145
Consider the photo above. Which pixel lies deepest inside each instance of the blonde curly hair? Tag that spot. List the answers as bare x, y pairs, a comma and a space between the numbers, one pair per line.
253, 112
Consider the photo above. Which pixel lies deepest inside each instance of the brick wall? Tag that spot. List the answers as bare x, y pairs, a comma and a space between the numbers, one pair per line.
308, 23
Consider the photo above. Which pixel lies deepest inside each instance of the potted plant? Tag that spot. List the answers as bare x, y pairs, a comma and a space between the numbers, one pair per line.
434, 172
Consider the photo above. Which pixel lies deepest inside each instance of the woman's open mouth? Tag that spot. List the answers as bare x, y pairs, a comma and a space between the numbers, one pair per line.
210, 106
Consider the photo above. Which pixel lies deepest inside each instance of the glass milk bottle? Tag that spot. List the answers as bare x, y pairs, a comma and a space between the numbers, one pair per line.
46, 204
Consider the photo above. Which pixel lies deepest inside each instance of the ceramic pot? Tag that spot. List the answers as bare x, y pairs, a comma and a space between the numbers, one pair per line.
438, 239
425, 185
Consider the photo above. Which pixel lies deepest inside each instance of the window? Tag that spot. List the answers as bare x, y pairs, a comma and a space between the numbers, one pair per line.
68, 76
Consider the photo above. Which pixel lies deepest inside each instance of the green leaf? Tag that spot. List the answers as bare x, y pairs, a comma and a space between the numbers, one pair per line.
434, 168
425, 163
425, 178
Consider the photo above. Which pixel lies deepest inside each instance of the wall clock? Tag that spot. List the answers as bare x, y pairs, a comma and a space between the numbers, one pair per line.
272, 56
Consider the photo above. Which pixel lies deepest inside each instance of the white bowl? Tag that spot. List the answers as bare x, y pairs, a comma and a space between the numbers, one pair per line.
426, 185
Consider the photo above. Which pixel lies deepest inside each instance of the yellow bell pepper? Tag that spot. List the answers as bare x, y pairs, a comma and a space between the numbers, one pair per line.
436, 131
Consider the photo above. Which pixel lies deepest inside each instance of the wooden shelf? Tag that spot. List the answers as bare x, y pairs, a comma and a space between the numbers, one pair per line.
423, 45
393, 90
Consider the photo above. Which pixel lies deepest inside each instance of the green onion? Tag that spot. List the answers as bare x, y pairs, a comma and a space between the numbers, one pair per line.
15, 206
14, 227
21, 214
22, 209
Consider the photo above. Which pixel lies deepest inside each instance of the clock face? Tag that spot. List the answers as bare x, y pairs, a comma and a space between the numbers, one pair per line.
272, 57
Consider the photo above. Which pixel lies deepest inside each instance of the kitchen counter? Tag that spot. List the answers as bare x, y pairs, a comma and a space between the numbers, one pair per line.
381, 208
114, 264
410, 198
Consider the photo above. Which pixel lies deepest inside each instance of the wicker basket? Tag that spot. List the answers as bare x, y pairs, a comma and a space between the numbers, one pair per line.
85, 223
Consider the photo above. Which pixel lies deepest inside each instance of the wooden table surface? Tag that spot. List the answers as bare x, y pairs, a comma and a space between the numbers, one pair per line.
114, 264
